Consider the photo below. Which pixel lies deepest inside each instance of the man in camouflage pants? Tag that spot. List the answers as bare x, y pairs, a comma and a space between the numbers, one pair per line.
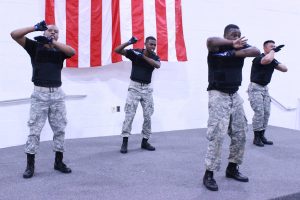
47, 100
226, 114
144, 61
261, 73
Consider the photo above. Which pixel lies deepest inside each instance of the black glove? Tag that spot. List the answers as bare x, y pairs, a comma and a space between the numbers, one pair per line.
41, 26
229, 53
43, 40
278, 48
152, 53
132, 40
139, 54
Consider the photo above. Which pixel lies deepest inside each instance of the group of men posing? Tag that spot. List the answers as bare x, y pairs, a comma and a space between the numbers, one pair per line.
226, 114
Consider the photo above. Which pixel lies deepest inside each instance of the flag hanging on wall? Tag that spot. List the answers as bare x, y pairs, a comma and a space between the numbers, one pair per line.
95, 27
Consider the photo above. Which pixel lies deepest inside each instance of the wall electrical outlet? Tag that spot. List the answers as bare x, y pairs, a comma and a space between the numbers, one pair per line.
115, 109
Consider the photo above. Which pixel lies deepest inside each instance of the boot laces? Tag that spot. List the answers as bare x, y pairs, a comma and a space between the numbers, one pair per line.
63, 165
210, 179
263, 139
235, 170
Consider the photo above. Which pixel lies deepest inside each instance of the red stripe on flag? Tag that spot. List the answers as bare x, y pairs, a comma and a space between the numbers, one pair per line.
116, 33
161, 29
72, 30
49, 12
137, 16
96, 33
179, 41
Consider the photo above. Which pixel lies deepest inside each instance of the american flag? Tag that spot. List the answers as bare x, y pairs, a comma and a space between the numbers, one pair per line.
95, 27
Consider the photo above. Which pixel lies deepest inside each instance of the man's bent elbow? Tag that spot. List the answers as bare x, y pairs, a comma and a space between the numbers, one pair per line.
71, 53
13, 35
117, 50
157, 66
255, 52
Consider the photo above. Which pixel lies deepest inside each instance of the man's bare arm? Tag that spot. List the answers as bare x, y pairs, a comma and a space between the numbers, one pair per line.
121, 48
152, 62
281, 67
68, 50
19, 34
247, 52
213, 43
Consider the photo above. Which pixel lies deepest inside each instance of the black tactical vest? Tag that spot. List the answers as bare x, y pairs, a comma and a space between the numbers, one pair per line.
224, 73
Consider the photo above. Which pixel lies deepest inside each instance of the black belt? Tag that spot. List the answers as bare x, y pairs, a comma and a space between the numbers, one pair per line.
46, 89
140, 83
143, 84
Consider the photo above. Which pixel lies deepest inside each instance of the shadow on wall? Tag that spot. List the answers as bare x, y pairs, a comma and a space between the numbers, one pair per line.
118, 71
14, 102
169, 82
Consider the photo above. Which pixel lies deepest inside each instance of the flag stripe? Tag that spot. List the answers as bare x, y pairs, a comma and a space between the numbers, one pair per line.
72, 30
161, 27
60, 19
116, 34
137, 12
125, 23
94, 28
49, 12
150, 18
83, 34
96, 32
179, 43
170, 8
106, 32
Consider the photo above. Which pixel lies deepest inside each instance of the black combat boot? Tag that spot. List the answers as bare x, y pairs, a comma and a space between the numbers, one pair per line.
257, 139
146, 145
209, 181
59, 165
232, 171
124, 145
29, 171
264, 140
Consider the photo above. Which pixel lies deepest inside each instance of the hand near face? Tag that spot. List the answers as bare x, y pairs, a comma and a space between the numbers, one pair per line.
240, 42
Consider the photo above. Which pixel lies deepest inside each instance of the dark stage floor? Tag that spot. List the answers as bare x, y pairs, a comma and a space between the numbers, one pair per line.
173, 172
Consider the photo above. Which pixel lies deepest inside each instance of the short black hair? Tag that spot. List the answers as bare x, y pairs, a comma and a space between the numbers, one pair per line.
230, 26
149, 38
268, 41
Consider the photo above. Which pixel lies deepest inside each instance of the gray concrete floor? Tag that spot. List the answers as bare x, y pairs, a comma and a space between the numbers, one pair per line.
173, 172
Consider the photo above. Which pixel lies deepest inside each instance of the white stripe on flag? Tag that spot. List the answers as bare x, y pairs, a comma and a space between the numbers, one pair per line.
60, 20
125, 22
84, 27
84, 33
106, 32
149, 18
170, 9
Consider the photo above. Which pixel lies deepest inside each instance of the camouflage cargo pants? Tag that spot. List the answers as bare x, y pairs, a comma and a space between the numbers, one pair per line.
138, 93
226, 115
46, 103
260, 102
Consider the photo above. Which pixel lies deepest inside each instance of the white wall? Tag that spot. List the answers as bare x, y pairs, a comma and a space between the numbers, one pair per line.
179, 88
